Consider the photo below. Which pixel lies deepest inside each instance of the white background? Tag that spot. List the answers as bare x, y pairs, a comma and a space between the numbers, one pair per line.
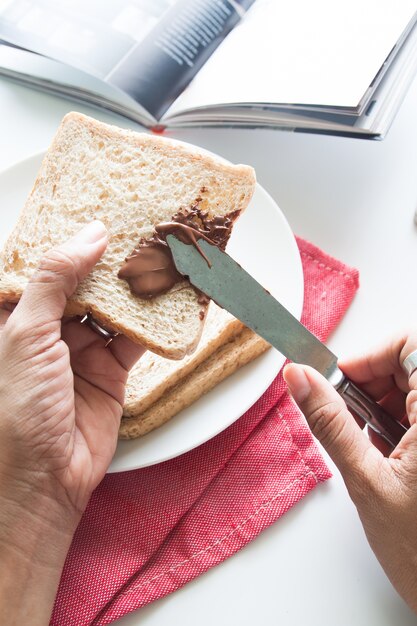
356, 199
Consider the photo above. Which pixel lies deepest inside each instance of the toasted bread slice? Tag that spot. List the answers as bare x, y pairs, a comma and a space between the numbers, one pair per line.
130, 181
237, 352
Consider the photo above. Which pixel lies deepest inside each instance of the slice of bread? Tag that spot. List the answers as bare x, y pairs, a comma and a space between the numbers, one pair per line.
153, 375
130, 181
239, 350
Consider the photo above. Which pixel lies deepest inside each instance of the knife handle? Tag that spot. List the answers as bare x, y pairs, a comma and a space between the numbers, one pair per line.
371, 412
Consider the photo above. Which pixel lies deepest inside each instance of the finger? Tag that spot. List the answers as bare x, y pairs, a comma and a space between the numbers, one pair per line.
411, 405
333, 425
380, 370
409, 347
59, 273
411, 402
394, 403
377, 388
80, 337
125, 351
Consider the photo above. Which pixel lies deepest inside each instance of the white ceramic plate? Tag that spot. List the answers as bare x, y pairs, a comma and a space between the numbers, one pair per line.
263, 243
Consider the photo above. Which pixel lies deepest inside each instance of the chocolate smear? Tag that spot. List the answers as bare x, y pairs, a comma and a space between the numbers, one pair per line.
150, 269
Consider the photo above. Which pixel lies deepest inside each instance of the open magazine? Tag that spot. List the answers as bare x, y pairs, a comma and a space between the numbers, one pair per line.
252, 63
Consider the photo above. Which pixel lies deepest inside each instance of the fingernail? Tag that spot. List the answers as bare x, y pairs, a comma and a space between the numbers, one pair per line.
297, 381
93, 232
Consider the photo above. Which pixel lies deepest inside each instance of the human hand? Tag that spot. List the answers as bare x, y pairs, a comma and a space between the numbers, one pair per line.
384, 489
61, 398
61, 390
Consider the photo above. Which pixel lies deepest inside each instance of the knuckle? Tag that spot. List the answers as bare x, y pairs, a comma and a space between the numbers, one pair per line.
17, 331
55, 265
327, 423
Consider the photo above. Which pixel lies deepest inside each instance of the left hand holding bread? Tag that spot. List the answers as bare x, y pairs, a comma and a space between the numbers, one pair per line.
62, 394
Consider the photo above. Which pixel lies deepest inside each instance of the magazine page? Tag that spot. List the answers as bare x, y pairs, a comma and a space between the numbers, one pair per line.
39, 72
311, 53
149, 49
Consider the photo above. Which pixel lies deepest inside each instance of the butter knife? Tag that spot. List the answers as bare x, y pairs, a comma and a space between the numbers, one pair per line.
217, 275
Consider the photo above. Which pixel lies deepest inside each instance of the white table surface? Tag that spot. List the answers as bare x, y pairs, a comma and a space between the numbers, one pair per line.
356, 199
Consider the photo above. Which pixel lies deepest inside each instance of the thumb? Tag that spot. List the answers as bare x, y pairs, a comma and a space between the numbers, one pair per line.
59, 273
332, 424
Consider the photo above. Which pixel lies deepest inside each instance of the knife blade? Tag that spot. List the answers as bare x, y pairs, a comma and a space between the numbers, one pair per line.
232, 288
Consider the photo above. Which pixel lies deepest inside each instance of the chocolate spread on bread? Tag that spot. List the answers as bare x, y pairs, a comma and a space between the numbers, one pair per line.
150, 270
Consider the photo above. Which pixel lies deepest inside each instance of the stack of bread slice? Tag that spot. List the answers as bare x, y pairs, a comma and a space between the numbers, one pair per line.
159, 388
132, 182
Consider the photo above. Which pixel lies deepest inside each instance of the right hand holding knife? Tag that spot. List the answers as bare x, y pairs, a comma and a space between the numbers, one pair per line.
383, 488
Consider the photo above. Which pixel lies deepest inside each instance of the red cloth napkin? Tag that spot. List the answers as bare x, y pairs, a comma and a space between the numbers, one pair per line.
148, 532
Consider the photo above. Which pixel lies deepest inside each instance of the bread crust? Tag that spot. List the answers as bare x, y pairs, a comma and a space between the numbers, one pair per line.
86, 175
166, 145
153, 376
236, 353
